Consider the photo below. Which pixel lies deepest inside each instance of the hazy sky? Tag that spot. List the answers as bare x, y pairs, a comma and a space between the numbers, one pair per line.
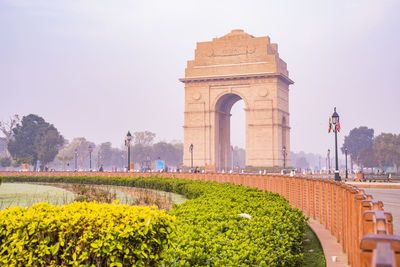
99, 68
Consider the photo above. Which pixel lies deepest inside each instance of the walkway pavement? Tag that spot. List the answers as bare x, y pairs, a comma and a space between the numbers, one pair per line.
333, 251
375, 185
391, 202
389, 194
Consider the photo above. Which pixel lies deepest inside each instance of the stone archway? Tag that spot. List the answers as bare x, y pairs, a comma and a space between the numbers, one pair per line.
225, 70
223, 109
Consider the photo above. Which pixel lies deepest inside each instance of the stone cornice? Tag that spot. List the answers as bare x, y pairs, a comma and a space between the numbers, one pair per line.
237, 77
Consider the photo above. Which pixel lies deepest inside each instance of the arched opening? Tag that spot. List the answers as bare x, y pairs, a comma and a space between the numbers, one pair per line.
238, 135
223, 108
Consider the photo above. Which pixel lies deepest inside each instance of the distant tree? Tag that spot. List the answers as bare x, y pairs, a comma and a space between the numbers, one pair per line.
178, 154
171, 153
387, 150
239, 157
140, 153
145, 138
105, 153
118, 158
35, 139
3, 146
63, 157
302, 163
6, 127
5, 162
358, 140
81, 146
368, 158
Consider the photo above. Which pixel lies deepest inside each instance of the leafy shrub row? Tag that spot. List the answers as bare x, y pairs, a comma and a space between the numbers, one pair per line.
208, 228
83, 234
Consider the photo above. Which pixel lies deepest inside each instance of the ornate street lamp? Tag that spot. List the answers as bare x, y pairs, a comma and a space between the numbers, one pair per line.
128, 144
284, 153
76, 159
345, 152
191, 156
335, 122
90, 157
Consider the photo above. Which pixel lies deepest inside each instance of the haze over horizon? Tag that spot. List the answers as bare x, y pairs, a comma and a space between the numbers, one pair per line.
97, 69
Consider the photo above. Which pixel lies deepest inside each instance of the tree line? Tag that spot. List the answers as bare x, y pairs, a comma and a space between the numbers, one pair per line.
366, 150
32, 139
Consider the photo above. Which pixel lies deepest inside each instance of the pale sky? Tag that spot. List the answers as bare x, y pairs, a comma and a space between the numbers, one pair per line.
99, 68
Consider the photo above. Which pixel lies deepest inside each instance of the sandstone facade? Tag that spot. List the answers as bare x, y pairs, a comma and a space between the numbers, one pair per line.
225, 70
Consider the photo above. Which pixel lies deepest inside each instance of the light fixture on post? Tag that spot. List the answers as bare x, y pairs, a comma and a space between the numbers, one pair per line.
90, 157
76, 159
328, 158
345, 152
98, 159
336, 124
284, 153
128, 144
191, 156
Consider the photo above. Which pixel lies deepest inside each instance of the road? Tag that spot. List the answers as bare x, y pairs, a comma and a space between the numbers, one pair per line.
391, 202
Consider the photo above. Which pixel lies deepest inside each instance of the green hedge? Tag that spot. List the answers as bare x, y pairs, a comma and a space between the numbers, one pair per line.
208, 228
83, 234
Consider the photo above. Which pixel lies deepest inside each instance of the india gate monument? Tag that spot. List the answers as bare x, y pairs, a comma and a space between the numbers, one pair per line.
233, 67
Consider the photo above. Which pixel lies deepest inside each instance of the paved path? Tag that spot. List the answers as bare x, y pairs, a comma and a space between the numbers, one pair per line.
391, 202
388, 193
332, 250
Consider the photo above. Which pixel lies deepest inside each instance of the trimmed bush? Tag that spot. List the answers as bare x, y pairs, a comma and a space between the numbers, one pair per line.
210, 231
208, 227
83, 234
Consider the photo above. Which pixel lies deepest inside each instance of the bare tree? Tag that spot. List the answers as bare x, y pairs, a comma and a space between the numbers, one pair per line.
145, 138
6, 127
79, 147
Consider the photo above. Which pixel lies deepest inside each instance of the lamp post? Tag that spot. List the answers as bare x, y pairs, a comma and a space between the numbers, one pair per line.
191, 156
128, 144
148, 161
76, 159
90, 157
345, 152
319, 164
329, 160
98, 159
335, 121
284, 153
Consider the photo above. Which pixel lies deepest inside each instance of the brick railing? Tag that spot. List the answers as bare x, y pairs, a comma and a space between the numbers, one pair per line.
355, 219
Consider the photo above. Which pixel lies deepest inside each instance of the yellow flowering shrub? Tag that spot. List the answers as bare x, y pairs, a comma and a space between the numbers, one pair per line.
87, 234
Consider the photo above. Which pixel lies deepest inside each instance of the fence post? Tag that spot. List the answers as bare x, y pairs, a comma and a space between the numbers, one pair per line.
338, 218
380, 250
312, 197
377, 222
359, 197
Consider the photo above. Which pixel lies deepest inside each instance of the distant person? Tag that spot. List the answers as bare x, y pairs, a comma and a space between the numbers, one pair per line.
101, 168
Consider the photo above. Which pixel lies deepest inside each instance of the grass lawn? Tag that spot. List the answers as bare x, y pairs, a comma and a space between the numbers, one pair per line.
313, 253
